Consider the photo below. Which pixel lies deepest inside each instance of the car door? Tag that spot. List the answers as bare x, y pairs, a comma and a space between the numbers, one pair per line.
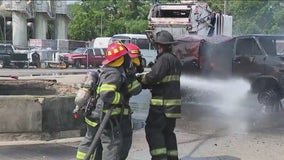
90, 56
249, 59
99, 56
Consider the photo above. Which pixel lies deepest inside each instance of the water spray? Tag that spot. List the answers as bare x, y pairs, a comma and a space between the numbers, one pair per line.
227, 96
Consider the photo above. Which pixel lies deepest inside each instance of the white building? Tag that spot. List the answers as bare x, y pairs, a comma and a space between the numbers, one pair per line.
25, 19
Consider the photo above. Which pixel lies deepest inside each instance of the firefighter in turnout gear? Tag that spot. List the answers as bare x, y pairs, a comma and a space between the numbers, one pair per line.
133, 88
136, 58
112, 91
164, 82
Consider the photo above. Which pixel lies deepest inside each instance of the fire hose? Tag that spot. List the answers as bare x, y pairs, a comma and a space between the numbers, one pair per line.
98, 134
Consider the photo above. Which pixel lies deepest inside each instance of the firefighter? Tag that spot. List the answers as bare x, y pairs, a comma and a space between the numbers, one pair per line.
133, 88
111, 93
164, 83
136, 57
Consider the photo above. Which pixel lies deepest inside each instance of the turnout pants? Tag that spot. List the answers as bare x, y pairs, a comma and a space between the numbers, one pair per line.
160, 135
84, 145
126, 128
115, 141
125, 142
110, 141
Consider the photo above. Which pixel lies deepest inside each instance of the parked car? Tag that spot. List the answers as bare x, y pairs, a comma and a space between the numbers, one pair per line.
8, 57
85, 56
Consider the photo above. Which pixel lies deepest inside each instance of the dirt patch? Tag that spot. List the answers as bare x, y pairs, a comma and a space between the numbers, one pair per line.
36, 87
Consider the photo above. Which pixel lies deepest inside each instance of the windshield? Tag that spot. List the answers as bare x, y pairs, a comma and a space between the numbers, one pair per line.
79, 50
142, 43
121, 39
280, 47
272, 46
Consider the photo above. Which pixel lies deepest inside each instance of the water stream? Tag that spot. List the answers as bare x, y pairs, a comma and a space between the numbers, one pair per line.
227, 100
226, 95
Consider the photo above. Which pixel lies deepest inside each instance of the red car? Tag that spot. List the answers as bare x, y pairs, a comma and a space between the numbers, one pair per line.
85, 56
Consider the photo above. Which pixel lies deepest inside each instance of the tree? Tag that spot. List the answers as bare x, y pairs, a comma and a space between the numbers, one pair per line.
92, 19
254, 17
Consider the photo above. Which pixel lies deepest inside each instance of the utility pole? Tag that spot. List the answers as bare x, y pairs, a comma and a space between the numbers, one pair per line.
225, 6
101, 24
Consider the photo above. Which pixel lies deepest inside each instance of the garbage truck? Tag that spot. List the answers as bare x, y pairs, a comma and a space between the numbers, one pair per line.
187, 17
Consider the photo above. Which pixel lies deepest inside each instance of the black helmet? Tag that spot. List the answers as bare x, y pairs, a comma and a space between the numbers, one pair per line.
164, 37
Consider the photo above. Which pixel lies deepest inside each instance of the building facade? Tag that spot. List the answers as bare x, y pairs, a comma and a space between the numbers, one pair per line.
21, 20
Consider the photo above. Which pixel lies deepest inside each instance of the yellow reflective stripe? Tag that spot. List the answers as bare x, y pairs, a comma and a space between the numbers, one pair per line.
173, 115
133, 85
158, 151
165, 102
126, 111
81, 155
173, 153
91, 123
107, 87
116, 99
170, 78
117, 111
98, 89
156, 102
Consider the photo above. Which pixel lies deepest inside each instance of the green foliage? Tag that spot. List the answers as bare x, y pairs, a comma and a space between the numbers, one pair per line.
257, 17
94, 18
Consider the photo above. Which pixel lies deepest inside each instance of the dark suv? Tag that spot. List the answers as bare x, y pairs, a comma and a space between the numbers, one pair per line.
9, 58
258, 58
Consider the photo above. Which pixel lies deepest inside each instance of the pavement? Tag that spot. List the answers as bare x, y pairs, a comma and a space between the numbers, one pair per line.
191, 147
203, 133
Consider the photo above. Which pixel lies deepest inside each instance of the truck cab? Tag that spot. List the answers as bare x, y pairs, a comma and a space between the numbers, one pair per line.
257, 58
260, 58
8, 57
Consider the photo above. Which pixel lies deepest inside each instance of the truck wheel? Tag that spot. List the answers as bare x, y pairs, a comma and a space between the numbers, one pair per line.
270, 100
78, 63
66, 65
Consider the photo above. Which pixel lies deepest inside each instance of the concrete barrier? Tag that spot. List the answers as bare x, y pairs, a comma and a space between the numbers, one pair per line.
49, 117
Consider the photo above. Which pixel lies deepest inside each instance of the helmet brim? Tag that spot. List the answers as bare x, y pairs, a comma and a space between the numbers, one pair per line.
133, 55
106, 61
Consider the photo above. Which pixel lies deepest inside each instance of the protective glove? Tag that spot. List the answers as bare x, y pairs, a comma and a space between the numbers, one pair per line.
151, 64
139, 77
